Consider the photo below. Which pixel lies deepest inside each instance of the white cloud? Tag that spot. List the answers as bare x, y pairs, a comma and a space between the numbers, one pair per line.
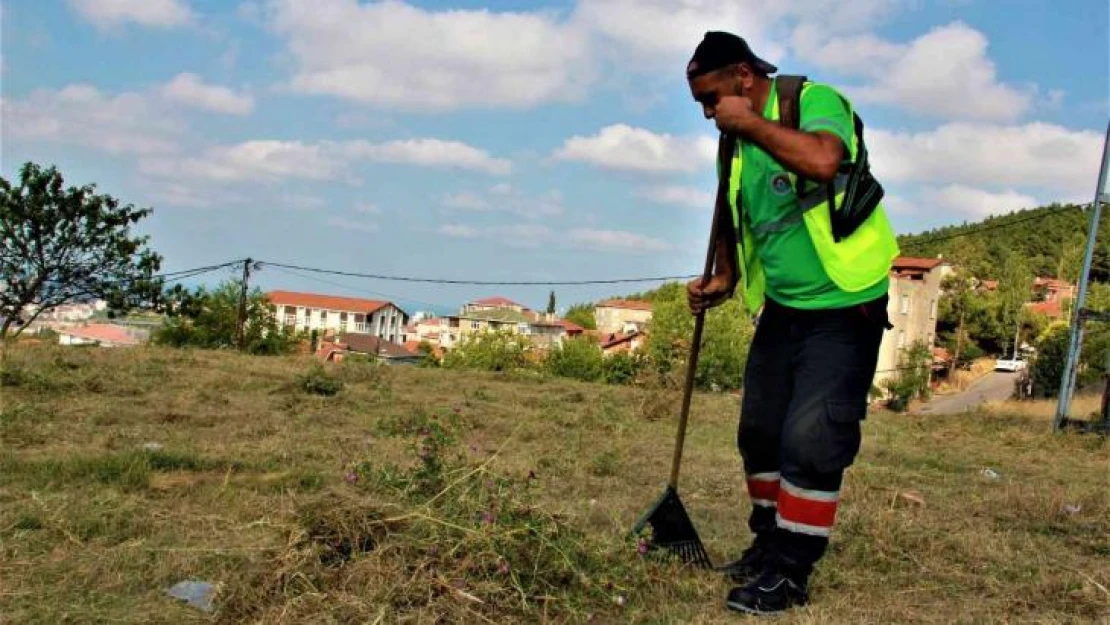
661, 33
689, 197
503, 198
251, 160
459, 231
108, 13
977, 203
429, 153
327, 160
945, 73
617, 241
623, 147
128, 123
352, 224
466, 201
1030, 156
510, 235
190, 90
394, 54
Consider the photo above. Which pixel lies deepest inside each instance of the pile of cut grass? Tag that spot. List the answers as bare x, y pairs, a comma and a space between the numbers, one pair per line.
412, 495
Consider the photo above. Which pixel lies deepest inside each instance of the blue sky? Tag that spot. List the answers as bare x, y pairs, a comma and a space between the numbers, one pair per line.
521, 140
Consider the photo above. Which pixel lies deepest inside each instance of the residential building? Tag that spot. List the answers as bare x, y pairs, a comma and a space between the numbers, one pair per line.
493, 303
336, 314
620, 342
622, 316
914, 297
1051, 297
103, 335
335, 348
540, 331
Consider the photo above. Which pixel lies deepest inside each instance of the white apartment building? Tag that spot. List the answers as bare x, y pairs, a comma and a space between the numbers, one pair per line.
332, 313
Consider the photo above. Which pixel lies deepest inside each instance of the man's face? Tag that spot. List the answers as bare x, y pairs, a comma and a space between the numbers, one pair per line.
708, 89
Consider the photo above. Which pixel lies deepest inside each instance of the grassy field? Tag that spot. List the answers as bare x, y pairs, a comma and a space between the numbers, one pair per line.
423, 496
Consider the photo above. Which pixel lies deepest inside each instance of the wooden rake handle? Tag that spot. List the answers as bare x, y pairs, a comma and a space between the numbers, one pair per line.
724, 146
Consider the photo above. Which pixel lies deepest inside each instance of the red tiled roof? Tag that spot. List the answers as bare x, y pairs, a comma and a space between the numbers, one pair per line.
496, 301
370, 344
910, 262
1053, 283
103, 332
615, 339
1051, 309
569, 326
327, 302
625, 303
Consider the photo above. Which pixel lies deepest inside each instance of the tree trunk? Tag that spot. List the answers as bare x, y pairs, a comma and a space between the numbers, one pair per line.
959, 346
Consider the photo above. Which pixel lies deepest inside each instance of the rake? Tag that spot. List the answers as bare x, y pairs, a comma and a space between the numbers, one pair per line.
671, 527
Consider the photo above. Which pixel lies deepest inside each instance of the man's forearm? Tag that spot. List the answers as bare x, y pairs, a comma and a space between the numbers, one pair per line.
812, 155
725, 253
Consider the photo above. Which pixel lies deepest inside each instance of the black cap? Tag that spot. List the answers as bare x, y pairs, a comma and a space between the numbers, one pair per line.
719, 49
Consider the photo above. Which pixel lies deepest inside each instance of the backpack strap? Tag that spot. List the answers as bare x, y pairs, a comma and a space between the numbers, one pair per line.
789, 90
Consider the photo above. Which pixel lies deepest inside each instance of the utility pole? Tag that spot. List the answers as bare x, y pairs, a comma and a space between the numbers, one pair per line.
1079, 312
241, 329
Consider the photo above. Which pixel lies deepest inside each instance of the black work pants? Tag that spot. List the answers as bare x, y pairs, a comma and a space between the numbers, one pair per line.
805, 395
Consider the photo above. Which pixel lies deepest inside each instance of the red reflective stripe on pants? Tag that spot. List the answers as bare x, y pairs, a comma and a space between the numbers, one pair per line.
761, 489
808, 511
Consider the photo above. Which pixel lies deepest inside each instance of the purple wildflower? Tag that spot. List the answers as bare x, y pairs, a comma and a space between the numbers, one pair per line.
503, 567
351, 477
487, 518
642, 547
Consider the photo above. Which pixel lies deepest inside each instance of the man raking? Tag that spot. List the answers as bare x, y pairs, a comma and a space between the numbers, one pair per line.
813, 250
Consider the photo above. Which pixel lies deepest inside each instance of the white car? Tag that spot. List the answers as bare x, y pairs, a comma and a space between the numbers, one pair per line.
1009, 364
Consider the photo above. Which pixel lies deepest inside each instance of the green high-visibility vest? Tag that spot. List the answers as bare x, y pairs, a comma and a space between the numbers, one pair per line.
854, 263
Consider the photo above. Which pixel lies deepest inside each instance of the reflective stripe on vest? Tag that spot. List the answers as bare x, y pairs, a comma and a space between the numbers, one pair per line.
853, 264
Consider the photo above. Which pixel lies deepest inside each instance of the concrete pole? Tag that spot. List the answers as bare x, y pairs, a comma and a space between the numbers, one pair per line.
1067, 381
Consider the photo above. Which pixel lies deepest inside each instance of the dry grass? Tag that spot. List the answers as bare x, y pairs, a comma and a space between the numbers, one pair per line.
425, 496
964, 379
1085, 406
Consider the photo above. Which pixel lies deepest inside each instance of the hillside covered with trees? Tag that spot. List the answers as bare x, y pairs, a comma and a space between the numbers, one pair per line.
1051, 238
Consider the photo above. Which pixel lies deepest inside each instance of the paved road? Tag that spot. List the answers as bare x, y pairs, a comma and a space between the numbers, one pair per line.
995, 386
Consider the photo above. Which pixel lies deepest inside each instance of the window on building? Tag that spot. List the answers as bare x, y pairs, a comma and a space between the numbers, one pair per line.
343, 318
933, 309
905, 304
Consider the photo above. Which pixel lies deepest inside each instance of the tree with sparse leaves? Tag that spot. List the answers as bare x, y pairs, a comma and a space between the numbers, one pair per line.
60, 245
582, 315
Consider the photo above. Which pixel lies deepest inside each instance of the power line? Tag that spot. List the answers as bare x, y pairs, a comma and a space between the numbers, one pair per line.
353, 289
354, 274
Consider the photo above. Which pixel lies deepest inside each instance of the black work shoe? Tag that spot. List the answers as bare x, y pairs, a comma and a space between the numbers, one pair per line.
752, 563
773, 592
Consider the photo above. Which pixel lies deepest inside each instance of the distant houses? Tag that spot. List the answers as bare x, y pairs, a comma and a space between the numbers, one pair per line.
102, 335
914, 296
622, 316
336, 314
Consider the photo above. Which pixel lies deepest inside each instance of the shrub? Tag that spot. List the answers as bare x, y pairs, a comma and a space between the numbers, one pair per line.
622, 367
579, 358
912, 379
489, 351
318, 381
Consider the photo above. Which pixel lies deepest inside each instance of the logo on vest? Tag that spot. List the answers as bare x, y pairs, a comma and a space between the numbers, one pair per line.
780, 184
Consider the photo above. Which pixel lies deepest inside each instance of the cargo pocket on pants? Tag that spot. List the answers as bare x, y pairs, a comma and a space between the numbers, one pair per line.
842, 434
